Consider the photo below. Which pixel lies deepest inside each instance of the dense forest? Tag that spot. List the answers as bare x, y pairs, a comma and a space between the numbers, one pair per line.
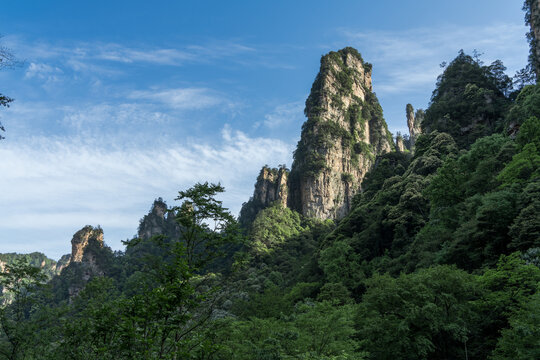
438, 258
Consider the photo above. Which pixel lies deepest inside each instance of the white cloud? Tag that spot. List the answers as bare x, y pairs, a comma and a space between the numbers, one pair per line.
99, 116
43, 72
285, 114
164, 56
408, 60
123, 54
63, 184
83, 54
181, 98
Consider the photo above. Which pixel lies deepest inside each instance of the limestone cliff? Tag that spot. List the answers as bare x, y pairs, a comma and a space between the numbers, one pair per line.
345, 131
533, 19
159, 221
271, 186
400, 144
86, 247
62, 263
88, 259
88, 235
343, 134
414, 122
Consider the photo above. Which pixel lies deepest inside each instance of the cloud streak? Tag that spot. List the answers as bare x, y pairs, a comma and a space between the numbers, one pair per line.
406, 60
62, 184
284, 114
180, 98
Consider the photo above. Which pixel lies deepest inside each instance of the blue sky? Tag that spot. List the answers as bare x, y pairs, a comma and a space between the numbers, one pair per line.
121, 102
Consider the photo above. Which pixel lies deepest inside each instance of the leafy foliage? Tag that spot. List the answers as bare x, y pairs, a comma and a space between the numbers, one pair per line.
438, 259
272, 226
469, 100
7, 59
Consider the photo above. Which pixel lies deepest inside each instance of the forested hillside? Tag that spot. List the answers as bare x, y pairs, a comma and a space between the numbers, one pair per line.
437, 258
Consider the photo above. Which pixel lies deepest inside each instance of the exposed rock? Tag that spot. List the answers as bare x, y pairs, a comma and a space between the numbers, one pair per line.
85, 261
62, 263
414, 122
159, 221
400, 145
344, 133
271, 186
82, 238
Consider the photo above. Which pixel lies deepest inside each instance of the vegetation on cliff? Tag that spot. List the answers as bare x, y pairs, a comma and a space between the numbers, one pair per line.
438, 258
319, 133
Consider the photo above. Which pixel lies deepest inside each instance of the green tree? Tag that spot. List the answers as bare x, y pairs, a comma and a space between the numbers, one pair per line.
507, 291
6, 60
521, 341
424, 315
165, 317
532, 71
19, 282
469, 100
273, 226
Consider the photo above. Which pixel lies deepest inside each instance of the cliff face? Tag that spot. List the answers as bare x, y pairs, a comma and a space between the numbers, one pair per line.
414, 122
400, 145
340, 140
271, 186
90, 257
81, 239
86, 260
158, 222
343, 134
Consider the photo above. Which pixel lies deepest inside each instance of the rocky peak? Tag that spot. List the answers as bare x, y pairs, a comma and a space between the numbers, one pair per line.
87, 249
414, 122
343, 134
62, 263
400, 144
271, 186
82, 239
345, 131
158, 221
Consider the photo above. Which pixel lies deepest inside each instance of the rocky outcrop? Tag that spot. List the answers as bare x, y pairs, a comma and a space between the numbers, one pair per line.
88, 235
341, 138
345, 131
88, 259
400, 145
414, 123
62, 263
271, 186
159, 221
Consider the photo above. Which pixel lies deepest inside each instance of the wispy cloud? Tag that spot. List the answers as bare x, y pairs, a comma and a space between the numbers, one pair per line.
84, 55
64, 184
101, 116
180, 98
118, 53
42, 71
405, 60
284, 114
